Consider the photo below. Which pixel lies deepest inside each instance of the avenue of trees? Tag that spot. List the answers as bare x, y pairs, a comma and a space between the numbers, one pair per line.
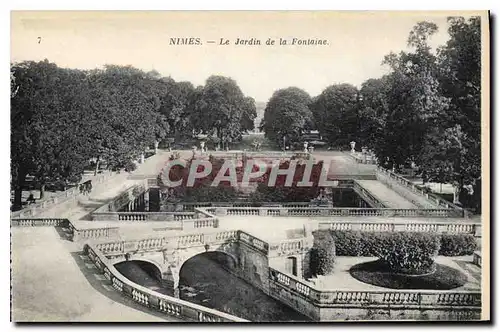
61, 118
424, 112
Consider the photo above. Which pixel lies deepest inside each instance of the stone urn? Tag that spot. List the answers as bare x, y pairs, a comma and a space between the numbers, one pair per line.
353, 145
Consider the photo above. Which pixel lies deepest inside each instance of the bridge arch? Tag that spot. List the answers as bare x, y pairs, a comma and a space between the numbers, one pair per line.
224, 258
141, 261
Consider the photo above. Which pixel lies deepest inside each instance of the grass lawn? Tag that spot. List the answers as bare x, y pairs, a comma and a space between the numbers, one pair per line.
378, 273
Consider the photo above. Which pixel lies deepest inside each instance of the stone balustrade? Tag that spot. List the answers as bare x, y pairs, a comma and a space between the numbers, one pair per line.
404, 225
168, 305
62, 197
127, 196
94, 233
327, 212
364, 158
288, 247
27, 222
212, 205
34, 209
119, 247
405, 298
77, 234
388, 177
253, 241
303, 295
206, 223
368, 196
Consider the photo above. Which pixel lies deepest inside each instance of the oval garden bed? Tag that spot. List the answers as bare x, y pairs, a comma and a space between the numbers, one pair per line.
379, 274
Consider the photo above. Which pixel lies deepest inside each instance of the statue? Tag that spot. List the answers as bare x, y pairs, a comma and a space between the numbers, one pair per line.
202, 146
305, 146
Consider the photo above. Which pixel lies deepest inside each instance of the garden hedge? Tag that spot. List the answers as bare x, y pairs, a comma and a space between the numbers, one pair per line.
457, 244
368, 244
322, 259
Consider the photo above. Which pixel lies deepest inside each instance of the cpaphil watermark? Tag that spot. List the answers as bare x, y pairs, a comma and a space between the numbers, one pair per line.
200, 169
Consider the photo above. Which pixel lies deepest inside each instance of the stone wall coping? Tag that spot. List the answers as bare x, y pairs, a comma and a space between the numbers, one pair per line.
145, 295
407, 183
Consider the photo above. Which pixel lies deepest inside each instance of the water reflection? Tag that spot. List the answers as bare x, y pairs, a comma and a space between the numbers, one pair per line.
205, 282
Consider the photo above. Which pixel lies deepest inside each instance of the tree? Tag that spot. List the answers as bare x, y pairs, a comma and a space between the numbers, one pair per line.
460, 80
44, 118
176, 98
125, 117
62, 117
336, 113
373, 112
249, 114
219, 107
286, 115
413, 101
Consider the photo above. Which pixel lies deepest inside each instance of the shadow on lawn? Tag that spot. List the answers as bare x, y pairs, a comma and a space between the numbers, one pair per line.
379, 274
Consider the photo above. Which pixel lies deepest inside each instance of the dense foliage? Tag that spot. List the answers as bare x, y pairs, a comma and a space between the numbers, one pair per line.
368, 244
426, 111
322, 259
61, 118
457, 244
409, 253
286, 116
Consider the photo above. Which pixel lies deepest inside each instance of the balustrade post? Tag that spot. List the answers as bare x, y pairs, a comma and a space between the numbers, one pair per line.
356, 226
398, 227
442, 228
477, 230
220, 211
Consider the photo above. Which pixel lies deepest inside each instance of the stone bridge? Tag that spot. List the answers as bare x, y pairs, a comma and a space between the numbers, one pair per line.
239, 252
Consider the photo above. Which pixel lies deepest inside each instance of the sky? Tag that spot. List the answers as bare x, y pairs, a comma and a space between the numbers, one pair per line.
356, 44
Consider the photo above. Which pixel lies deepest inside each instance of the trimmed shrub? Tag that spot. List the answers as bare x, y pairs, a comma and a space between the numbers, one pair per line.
368, 244
409, 252
403, 252
355, 243
457, 244
322, 259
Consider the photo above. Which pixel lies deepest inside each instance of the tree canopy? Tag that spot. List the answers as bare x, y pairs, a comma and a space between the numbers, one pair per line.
286, 115
61, 118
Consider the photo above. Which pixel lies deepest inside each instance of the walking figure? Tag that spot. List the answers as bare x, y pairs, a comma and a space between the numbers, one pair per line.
86, 187
31, 199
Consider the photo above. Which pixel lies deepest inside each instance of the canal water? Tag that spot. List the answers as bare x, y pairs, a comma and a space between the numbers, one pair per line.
204, 282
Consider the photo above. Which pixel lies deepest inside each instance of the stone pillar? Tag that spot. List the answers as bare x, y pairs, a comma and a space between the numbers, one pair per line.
142, 158
220, 211
170, 280
156, 147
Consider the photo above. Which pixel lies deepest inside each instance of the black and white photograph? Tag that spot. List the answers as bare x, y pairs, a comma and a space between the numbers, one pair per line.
249, 166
